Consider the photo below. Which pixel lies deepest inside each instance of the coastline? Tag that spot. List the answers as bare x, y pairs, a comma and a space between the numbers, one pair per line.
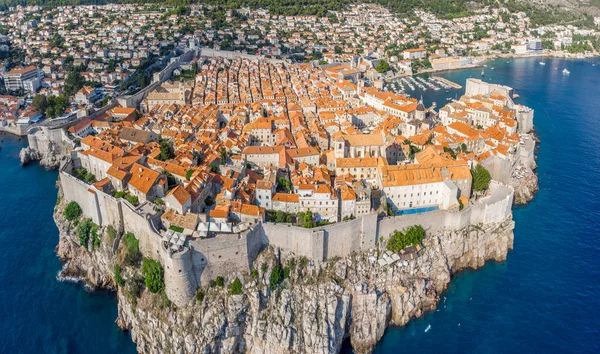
316, 309
483, 60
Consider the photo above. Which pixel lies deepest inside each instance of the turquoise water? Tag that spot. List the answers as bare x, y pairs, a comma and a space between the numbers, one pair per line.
544, 298
39, 314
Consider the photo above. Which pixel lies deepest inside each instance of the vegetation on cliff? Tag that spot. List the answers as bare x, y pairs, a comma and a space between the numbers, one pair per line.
72, 211
86, 231
153, 275
412, 236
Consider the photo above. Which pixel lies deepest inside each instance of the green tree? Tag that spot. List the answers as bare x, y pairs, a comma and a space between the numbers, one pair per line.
338, 50
72, 211
481, 178
223, 156
236, 287
382, 67
166, 150
189, 174
276, 277
153, 275
86, 230
40, 103
412, 236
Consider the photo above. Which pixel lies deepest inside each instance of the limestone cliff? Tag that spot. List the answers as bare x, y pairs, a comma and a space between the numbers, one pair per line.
526, 186
93, 266
317, 307
314, 310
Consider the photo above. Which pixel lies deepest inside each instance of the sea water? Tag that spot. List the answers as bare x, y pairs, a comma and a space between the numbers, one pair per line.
543, 298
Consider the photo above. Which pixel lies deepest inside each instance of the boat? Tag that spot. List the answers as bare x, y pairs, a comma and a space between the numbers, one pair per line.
566, 72
482, 72
427, 329
542, 63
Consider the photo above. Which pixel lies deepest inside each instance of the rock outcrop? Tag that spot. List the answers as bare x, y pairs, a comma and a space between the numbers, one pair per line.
526, 186
314, 310
28, 155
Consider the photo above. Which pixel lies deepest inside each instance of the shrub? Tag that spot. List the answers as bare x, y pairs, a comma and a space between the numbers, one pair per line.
159, 201
220, 281
411, 237
208, 201
132, 245
132, 199
263, 267
112, 233
199, 296
120, 194
276, 277
72, 211
481, 178
90, 178
212, 283
254, 274
118, 278
236, 287
134, 288
86, 230
95, 240
153, 275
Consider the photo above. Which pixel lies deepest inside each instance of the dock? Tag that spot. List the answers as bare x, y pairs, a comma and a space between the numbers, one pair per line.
447, 82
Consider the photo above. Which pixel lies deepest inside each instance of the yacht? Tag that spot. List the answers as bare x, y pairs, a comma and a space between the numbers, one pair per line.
566, 72
542, 63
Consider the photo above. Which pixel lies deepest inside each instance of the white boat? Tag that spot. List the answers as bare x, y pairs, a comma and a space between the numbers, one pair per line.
542, 63
566, 72
428, 328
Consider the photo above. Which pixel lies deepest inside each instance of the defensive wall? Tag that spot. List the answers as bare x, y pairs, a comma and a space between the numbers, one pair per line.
210, 52
157, 79
204, 259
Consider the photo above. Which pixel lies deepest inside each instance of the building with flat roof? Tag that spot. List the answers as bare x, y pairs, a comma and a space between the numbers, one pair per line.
28, 79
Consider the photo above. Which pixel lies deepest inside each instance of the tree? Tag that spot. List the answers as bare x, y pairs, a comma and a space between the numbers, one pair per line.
223, 156
188, 174
86, 230
382, 67
276, 277
72, 211
153, 275
338, 50
410, 237
73, 82
481, 178
236, 287
40, 103
166, 150
307, 219
285, 184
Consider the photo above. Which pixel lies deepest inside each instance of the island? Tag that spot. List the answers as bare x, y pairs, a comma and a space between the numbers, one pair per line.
264, 206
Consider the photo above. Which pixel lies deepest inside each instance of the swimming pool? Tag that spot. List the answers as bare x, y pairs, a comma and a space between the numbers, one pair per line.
416, 210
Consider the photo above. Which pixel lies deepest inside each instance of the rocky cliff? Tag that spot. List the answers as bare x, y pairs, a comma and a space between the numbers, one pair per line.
314, 309
95, 267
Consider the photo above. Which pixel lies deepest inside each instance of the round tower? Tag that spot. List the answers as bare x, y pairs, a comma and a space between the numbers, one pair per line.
180, 281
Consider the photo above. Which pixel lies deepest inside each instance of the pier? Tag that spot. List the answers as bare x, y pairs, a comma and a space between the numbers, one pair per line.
447, 82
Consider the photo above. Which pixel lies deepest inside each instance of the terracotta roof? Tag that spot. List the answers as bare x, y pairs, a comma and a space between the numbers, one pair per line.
143, 178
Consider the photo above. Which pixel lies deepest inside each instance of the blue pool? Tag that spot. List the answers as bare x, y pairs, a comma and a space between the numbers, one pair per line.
416, 210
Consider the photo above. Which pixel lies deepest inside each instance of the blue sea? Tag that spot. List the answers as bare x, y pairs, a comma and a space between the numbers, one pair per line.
544, 298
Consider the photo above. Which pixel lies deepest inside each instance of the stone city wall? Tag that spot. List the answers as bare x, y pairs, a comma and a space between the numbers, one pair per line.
225, 254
